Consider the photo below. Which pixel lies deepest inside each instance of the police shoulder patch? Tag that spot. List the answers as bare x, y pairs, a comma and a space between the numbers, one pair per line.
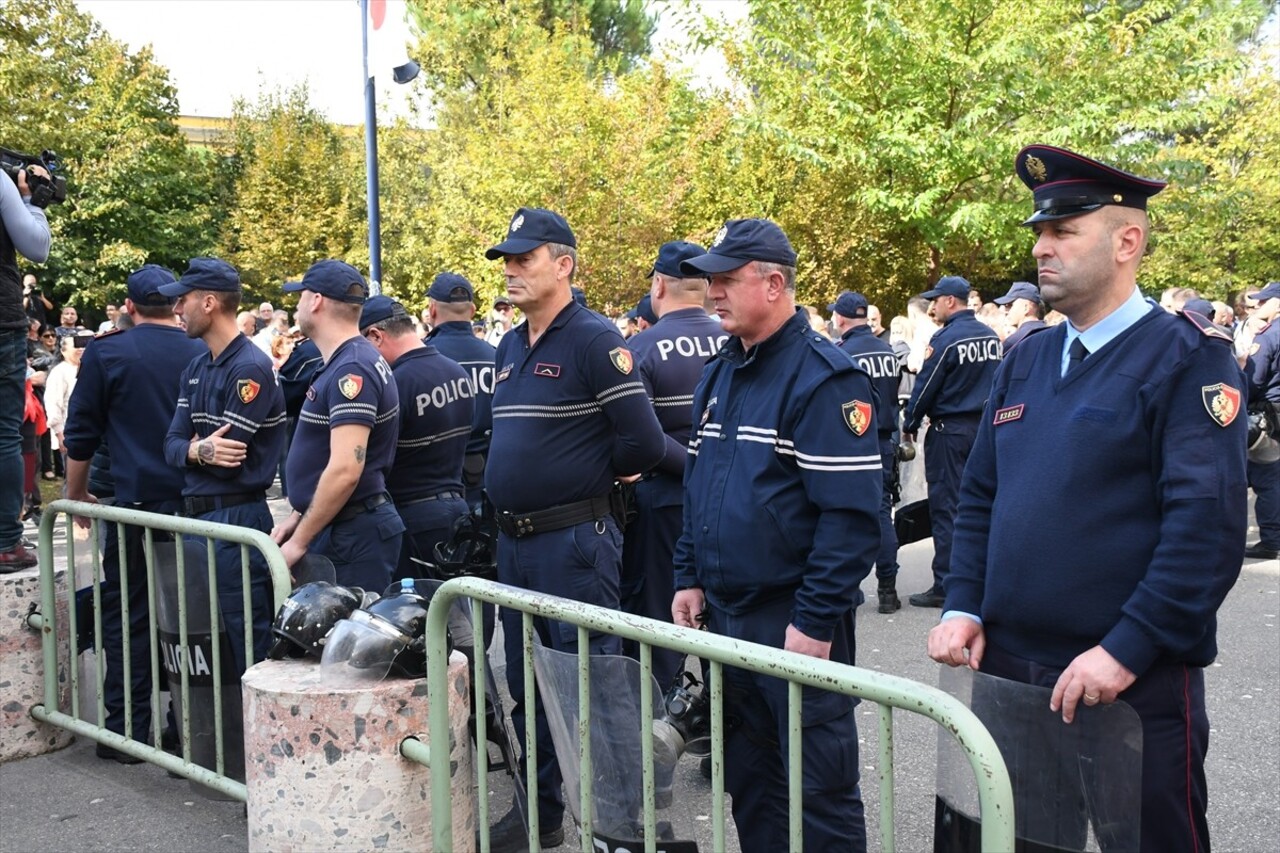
1222, 402
1206, 326
621, 358
247, 390
856, 415
349, 386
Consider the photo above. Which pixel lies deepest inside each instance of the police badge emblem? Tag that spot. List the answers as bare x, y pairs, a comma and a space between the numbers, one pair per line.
1035, 168
621, 358
350, 385
247, 390
857, 416
516, 223
720, 235
1222, 402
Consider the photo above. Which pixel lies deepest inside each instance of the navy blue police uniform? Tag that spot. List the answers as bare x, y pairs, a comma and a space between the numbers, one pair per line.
878, 360
355, 386
670, 357
951, 389
1021, 290
456, 341
1152, 402
781, 525
569, 415
1262, 366
125, 395
436, 415
237, 389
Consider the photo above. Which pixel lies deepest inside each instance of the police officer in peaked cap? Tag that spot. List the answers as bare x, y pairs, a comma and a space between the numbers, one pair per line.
1125, 412
950, 391
226, 437
781, 524
569, 416
670, 356
878, 360
125, 396
345, 441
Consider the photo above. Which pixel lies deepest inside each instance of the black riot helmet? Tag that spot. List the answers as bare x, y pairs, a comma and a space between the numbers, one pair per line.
471, 551
386, 637
307, 616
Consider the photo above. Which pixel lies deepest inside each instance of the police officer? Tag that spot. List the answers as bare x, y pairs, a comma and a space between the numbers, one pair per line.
876, 358
1123, 412
670, 356
346, 439
450, 309
569, 416
951, 389
781, 524
126, 393
226, 436
1023, 310
437, 410
1262, 367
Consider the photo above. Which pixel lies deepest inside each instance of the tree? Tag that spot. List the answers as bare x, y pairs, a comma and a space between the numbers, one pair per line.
297, 192
916, 108
136, 193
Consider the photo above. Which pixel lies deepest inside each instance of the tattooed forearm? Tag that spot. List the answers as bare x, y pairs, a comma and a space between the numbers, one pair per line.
360, 454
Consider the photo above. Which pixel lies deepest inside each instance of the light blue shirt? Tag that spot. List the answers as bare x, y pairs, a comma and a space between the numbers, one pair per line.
1109, 327
1094, 338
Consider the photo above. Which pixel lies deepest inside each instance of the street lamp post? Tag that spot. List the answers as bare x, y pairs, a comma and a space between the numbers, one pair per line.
401, 74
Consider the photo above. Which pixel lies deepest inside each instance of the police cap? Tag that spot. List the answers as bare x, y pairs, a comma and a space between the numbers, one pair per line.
529, 229
205, 274
331, 279
1271, 291
1020, 290
379, 308
145, 283
738, 243
451, 287
644, 310
1203, 307
850, 304
670, 255
948, 285
1065, 184
579, 295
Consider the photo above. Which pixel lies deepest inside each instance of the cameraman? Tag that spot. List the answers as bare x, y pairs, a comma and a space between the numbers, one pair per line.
34, 302
23, 228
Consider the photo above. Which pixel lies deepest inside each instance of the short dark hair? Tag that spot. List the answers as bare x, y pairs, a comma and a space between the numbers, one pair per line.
397, 326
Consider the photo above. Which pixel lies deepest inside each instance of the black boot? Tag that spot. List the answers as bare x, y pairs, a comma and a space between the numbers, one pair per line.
888, 595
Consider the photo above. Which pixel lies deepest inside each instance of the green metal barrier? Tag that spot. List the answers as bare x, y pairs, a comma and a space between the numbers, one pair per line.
45, 622
995, 793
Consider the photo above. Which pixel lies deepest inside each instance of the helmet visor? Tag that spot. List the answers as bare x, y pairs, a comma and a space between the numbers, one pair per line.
360, 650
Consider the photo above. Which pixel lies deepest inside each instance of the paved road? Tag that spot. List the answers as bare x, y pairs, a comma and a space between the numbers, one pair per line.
72, 801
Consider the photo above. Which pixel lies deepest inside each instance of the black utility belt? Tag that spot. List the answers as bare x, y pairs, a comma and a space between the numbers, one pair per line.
201, 504
360, 507
440, 496
518, 524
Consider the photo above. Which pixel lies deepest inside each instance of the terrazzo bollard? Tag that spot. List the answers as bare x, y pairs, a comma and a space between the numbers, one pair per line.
323, 766
22, 667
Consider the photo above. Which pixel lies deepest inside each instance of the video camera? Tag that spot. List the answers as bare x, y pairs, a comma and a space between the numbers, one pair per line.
44, 191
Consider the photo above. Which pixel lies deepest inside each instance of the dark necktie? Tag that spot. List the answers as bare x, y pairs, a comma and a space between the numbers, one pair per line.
1076, 353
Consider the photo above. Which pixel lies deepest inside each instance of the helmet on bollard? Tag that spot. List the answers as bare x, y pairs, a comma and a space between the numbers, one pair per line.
386, 637
1262, 444
307, 616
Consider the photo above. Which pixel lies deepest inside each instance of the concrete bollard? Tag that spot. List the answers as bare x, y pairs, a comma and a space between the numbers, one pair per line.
22, 667
323, 767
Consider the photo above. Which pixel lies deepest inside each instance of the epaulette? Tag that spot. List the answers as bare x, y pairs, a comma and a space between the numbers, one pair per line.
1206, 326
835, 357
108, 334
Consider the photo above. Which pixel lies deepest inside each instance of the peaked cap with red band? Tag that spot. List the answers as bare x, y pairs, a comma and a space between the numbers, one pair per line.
1065, 184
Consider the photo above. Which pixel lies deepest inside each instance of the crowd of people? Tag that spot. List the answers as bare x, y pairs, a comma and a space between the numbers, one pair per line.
720, 457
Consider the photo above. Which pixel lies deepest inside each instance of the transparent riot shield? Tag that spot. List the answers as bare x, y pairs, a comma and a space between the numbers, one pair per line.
314, 567
196, 659
1075, 787
617, 781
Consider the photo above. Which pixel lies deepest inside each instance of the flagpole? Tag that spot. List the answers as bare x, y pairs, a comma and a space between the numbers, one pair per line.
371, 160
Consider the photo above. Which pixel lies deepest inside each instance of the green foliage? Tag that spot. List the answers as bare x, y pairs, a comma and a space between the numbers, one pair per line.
296, 192
136, 193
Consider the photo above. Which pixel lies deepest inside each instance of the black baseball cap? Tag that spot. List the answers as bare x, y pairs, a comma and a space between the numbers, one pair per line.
451, 287
530, 228
948, 285
738, 243
332, 279
205, 274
